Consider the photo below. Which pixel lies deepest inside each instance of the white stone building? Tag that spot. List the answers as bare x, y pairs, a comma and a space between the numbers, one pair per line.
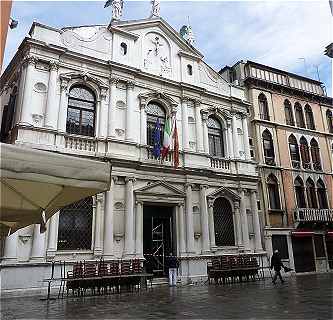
97, 91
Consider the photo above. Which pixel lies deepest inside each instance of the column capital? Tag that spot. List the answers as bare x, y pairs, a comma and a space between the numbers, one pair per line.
130, 84
114, 80
197, 103
188, 184
99, 197
236, 205
29, 59
204, 115
139, 202
53, 65
130, 179
241, 190
203, 187
185, 99
253, 192
64, 81
180, 204
210, 202
243, 115
103, 93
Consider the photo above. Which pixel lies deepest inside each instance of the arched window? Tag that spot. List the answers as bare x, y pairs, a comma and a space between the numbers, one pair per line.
75, 226
215, 138
268, 146
305, 155
315, 155
223, 223
189, 70
311, 194
329, 119
288, 113
321, 194
154, 112
123, 48
294, 152
263, 107
299, 116
8, 117
273, 192
299, 191
309, 117
81, 111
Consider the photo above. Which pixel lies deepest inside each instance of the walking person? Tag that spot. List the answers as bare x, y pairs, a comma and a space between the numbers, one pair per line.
172, 264
277, 264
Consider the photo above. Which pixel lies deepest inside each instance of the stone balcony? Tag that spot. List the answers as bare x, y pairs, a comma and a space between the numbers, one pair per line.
313, 215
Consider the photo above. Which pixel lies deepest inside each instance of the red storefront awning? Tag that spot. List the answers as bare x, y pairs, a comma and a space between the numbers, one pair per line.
302, 233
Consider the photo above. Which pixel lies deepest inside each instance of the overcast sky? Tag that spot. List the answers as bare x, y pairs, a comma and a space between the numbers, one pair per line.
276, 33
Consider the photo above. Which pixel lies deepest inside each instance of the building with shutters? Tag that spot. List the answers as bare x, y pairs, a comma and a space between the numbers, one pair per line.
97, 92
291, 135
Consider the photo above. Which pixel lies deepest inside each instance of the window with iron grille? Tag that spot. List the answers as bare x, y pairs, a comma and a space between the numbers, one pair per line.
75, 226
268, 147
273, 192
154, 112
215, 138
223, 223
279, 242
319, 246
288, 113
81, 111
321, 194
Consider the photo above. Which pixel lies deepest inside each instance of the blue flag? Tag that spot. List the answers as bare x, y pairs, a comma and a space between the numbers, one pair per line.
108, 3
157, 139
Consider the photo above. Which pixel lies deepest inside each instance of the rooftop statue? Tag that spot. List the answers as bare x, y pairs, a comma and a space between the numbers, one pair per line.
117, 9
155, 8
187, 34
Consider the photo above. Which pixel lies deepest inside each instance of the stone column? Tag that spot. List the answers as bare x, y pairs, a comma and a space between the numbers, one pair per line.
235, 136
143, 124
189, 219
129, 218
53, 235
246, 138
62, 118
198, 126
204, 219
52, 102
185, 129
139, 229
230, 141
211, 224
38, 244
112, 107
205, 132
130, 112
10, 251
238, 224
103, 115
26, 111
256, 221
109, 222
245, 226
181, 226
98, 225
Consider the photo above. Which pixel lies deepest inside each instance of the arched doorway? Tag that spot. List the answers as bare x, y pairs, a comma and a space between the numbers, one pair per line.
223, 223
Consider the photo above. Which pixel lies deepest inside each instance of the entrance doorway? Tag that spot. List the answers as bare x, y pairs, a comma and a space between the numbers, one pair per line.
303, 254
158, 238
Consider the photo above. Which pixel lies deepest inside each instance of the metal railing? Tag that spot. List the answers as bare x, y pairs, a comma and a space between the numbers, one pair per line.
315, 215
168, 160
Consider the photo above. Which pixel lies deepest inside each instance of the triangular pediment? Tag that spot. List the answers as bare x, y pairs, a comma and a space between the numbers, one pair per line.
224, 192
160, 188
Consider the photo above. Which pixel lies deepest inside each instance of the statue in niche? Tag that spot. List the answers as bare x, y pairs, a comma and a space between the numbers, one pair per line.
158, 45
117, 9
155, 8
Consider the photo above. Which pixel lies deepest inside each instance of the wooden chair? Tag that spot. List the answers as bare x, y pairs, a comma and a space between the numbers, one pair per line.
89, 272
77, 272
102, 272
125, 269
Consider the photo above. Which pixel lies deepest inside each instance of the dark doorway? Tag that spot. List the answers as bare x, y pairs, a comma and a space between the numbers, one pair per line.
158, 238
303, 254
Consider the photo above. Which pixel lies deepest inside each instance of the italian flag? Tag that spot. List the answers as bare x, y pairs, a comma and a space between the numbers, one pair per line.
167, 138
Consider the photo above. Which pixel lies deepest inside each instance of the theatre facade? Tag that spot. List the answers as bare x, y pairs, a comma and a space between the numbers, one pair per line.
98, 92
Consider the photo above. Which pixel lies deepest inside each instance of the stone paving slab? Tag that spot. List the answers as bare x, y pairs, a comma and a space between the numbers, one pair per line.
301, 297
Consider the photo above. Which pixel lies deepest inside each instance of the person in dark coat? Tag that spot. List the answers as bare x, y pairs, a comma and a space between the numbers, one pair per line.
277, 264
173, 264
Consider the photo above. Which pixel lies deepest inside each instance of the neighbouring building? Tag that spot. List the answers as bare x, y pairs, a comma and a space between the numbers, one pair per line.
291, 136
98, 91
6, 6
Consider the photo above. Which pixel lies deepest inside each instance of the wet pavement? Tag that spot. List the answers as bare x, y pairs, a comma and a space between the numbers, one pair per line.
301, 297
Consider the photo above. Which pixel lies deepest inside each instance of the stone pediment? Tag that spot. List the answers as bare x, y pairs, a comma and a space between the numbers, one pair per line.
224, 192
160, 188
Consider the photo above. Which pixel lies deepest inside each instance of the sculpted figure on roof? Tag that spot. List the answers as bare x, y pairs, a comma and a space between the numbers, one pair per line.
117, 9
155, 8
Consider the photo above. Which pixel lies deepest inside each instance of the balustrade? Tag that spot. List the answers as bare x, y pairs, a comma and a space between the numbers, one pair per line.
218, 163
309, 214
78, 143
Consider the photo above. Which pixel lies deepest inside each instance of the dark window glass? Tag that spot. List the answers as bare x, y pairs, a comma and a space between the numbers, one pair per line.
299, 191
321, 194
8, 116
311, 194
319, 246
268, 147
309, 117
189, 70
315, 155
154, 112
75, 224
294, 152
305, 155
279, 242
81, 112
273, 192
215, 138
329, 118
299, 116
288, 113
263, 107
123, 47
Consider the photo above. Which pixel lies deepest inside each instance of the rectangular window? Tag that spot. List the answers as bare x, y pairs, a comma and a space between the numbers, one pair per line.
279, 242
319, 246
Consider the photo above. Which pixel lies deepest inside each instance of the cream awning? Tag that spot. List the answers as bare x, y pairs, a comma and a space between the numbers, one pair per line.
33, 181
